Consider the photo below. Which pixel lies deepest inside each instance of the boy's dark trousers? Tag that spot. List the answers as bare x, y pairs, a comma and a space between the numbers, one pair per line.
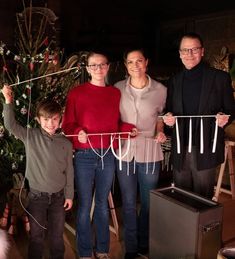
48, 210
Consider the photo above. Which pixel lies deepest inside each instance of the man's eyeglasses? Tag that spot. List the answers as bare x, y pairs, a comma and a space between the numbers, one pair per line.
192, 50
96, 66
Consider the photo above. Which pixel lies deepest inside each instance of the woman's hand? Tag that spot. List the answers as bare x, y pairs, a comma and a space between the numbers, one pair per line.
169, 119
160, 137
82, 137
134, 132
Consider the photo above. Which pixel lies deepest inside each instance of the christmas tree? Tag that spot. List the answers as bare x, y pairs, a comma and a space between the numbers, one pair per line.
35, 71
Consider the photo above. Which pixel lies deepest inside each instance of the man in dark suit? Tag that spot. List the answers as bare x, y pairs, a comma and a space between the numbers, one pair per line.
198, 139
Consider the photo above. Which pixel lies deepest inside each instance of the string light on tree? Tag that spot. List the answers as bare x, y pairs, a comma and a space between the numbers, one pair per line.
36, 55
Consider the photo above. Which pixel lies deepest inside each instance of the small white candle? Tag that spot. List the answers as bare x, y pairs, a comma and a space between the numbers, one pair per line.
201, 137
177, 135
190, 136
215, 137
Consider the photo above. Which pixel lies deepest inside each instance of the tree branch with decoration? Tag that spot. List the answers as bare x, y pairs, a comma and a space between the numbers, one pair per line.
37, 57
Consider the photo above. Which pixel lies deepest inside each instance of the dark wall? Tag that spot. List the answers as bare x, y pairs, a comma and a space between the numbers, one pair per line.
216, 29
7, 21
115, 25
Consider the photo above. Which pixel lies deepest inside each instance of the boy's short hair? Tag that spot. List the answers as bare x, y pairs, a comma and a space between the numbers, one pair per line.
48, 108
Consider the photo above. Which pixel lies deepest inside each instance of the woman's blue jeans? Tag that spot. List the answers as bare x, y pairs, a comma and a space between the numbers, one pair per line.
136, 224
91, 176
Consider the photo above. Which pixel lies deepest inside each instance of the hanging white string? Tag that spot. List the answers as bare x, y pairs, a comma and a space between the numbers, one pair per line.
47, 75
112, 138
190, 136
147, 139
154, 155
120, 156
177, 135
102, 155
201, 130
120, 152
147, 155
134, 170
215, 137
201, 137
154, 148
128, 165
102, 152
110, 146
26, 148
29, 108
27, 151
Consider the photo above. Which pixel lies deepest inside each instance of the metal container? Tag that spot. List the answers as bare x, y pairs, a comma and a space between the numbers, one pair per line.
184, 225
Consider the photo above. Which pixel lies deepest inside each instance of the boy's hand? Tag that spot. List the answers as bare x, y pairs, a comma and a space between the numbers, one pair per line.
68, 204
7, 93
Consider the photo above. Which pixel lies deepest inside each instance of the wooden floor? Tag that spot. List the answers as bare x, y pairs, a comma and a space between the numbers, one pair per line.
19, 242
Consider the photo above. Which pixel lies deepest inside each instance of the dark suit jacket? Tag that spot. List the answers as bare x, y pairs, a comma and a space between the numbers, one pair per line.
216, 96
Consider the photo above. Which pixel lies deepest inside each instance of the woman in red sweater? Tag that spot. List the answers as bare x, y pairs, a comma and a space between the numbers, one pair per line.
92, 108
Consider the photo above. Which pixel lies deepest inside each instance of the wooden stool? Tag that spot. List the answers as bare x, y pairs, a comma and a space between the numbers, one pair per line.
227, 156
115, 227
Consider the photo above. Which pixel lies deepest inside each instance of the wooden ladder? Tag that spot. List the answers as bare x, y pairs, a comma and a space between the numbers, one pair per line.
228, 156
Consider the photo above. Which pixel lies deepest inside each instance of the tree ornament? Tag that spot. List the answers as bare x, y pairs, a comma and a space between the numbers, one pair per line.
14, 166
2, 46
23, 110
17, 58
33, 69
31, 66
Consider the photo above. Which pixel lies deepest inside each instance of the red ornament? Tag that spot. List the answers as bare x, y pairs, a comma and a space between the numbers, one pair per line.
55, 59
46, 57
5, 68
45, 42
31, 66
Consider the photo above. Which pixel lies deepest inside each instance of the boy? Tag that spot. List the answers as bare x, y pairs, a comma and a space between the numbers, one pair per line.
49, 170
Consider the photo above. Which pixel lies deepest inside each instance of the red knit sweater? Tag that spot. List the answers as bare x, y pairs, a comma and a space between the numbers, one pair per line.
93, 109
